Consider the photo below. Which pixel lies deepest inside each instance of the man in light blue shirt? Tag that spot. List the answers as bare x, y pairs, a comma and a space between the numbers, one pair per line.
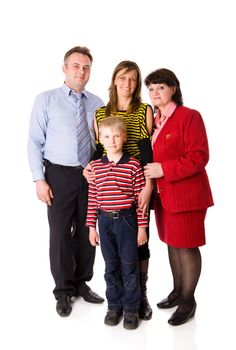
58, 174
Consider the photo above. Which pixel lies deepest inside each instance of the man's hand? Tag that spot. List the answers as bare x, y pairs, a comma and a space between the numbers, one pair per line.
44, 192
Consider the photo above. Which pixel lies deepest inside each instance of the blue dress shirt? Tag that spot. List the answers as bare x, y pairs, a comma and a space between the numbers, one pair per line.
52, 131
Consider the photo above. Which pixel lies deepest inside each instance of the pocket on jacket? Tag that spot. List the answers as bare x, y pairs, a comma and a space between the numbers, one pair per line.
171, 135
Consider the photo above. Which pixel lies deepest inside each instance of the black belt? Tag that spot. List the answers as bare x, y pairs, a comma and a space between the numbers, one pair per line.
116, 214
47, 163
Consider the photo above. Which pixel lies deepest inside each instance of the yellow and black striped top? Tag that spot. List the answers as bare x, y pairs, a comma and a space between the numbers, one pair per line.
136, 128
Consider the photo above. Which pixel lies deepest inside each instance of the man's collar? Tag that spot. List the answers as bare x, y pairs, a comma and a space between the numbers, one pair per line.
68, 90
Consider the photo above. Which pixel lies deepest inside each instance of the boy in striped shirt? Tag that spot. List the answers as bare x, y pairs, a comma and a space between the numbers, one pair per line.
112, 199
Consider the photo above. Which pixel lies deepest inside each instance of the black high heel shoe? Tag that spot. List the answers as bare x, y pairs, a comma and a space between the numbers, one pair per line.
179, 318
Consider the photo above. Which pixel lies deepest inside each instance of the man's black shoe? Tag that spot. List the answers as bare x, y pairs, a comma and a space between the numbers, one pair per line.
112, 317
88, 295
63, 306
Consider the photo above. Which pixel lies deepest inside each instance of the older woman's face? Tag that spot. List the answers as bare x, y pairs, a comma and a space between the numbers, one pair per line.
161, 94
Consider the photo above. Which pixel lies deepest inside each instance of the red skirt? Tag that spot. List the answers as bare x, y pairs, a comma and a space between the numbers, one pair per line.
180, 230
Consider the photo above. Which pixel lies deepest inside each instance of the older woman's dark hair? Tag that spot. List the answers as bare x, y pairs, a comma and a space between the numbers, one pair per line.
166, 76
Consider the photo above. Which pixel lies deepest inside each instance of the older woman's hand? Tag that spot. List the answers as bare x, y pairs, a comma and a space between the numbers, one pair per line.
153, 170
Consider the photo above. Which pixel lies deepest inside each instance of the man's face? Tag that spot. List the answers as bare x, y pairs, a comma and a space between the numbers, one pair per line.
77, 71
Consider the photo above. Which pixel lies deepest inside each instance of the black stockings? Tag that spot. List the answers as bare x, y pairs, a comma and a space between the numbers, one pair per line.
185, 265
143, 265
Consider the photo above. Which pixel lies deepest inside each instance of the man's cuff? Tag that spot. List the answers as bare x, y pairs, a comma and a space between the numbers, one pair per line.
38, 175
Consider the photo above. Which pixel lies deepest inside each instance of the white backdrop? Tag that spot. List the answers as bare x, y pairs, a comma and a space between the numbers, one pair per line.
196, 39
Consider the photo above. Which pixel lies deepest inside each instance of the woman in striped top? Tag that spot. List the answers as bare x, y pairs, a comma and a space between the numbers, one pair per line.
125, 101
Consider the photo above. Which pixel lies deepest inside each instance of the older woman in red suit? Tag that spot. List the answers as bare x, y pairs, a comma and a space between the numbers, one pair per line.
183, 194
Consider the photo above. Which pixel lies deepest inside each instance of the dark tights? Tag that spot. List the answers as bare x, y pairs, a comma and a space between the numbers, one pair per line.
143, 265
185, 265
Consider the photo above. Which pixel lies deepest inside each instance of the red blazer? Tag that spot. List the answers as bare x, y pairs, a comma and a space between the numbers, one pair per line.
182, 149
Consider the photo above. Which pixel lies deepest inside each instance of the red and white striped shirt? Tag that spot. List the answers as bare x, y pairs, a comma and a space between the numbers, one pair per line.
116, 186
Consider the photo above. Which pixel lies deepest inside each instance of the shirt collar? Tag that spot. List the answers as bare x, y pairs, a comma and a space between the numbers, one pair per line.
168, 110
68, 90
124, 159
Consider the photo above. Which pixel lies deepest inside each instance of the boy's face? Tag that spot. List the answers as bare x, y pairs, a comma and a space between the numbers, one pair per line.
112, 139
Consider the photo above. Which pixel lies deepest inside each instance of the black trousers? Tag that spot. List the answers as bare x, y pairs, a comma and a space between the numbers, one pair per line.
71, 254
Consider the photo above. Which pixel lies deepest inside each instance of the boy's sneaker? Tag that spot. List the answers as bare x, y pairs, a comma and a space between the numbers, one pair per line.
112, 317
131, 320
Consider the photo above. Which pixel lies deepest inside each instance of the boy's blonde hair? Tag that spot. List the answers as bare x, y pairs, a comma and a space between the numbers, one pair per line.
113, 122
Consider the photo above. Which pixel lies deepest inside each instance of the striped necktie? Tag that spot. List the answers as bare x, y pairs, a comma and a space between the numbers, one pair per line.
82, 130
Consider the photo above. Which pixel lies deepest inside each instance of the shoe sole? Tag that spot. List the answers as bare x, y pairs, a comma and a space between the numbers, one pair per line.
92, 301
176, 303
112, 323
130, 328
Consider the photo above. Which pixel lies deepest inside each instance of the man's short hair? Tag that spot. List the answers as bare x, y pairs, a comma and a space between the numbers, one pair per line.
79, 49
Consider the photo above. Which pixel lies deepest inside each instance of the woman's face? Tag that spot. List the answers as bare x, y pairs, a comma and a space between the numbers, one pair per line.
161, 94
126, 82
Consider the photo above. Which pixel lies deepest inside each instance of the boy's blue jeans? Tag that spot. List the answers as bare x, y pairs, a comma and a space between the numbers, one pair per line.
118, 238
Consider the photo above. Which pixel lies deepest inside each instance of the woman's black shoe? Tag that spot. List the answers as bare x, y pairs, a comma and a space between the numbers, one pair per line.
179, 318
172, 300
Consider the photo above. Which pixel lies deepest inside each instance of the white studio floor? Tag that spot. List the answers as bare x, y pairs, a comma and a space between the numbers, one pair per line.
30, 321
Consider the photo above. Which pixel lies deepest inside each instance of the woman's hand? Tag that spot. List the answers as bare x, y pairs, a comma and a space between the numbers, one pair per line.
153, 170
88, 173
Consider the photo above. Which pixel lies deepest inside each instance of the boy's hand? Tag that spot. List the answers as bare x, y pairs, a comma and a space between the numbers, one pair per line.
142, 236
93, 236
